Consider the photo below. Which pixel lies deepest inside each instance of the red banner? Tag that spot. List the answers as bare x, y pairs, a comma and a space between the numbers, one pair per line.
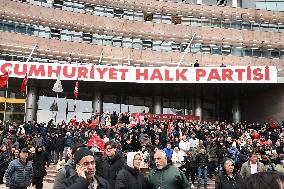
165, 117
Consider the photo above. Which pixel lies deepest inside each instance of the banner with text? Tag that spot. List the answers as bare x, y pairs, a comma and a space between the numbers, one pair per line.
91, 72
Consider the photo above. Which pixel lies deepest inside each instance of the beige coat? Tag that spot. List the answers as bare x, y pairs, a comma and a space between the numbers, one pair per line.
246, 169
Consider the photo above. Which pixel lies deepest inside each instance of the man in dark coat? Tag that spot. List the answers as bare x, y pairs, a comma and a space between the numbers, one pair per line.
85, 173
112, 164
40, 159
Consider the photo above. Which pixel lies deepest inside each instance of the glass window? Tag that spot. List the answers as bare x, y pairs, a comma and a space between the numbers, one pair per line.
271, 6
194, 21
185, 20
237, 51
137, 43
280, 6
226, 50
273, 27
58, 4
236, 24
215, 22
21, 28
256, 52
1, 25
255, 26
127, 42
206, 49
66, 35
30, 30
129, 14
44, 32
98, 10
282, 53
77, 36
116, 41
89, 8
226, 24
78, 7
67, 6
118, 12
176, 46
215, 49
107, 40
167, 19
264, 26
55, 33
195, 48
97, 39
275, 54
204, 21
166, 46
138, 15
109, 12
147, 44
260, 5
246, 25
247, 51
9, 26
87, 37
157, 45
157, 18
281, 27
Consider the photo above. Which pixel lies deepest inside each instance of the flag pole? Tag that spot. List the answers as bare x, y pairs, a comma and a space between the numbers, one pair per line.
6, 96
185, 51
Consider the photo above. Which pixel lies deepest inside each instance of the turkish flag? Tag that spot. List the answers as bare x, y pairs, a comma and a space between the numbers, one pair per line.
76, 89
96, 141
24, 84
74, 121
4, 80
95, 123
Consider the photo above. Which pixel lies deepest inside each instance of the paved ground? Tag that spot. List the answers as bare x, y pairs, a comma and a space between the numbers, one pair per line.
45, 186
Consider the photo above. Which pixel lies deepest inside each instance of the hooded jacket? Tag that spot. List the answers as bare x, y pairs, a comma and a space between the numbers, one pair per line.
111, 167
129, 177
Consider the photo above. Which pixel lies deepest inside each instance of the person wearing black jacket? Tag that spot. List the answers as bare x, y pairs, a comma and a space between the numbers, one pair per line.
112, 164
5, 158
130, 177
40, 159
85, 177
228, 178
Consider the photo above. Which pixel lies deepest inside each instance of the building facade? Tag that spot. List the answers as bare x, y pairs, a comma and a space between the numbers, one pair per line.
137, 33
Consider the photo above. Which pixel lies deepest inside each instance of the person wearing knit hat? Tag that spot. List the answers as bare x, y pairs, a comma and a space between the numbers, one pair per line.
85, 177
130, 176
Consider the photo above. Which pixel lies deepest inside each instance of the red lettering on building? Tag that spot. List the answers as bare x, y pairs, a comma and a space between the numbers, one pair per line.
257, 74
214, 75
113, 73
200, 73
123, 73
180, 75
140, 74
167, 76
266, 74
66, 74
82, 72
102, 72
51, 70
5, 68
227, 74
156, 75
17, 69
38, 70
240, 73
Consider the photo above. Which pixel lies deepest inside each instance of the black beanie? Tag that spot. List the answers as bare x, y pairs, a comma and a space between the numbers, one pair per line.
79, 154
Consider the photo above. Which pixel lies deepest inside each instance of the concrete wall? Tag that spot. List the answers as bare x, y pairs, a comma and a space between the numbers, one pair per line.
264, 105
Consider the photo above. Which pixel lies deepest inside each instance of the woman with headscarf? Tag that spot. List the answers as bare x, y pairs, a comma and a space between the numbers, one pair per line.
130, 176
228, 178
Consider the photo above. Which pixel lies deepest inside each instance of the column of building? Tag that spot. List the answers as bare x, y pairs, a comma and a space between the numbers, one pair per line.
236, 110
198, 102
31, 104
97, 99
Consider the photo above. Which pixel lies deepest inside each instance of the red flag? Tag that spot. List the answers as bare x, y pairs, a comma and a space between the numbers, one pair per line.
95, 123
24, 84
76, 89
96, 141
74, 121
4, 80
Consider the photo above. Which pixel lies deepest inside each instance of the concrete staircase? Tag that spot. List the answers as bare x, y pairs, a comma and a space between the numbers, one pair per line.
51, 173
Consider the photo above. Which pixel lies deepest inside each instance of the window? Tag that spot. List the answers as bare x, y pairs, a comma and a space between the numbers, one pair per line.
89, 8
21, 28
237, 51
44, 32
87, 37
147, 44
77, 36
226, 23
206, 49
281, 27
157, 45
195, 48
215, 22
166, 46
139, 16
66, 35
55, 33
247, 51
175, 46
9, 26
109, 12
58, 4
107, 40
67, 6
30, 30
148, 16
246, 25
166, 19
129, 14
264, 26
97, 39
118, 13
204, 21
255, 26
78, 7
185, 20
157, 18
117, 41
215, 49
137, 43
275, 54
237, 24
282, 53
98, 10
226, 50
127, 42
256, 52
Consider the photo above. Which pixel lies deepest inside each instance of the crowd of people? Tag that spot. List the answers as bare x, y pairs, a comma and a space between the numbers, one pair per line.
136, 152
